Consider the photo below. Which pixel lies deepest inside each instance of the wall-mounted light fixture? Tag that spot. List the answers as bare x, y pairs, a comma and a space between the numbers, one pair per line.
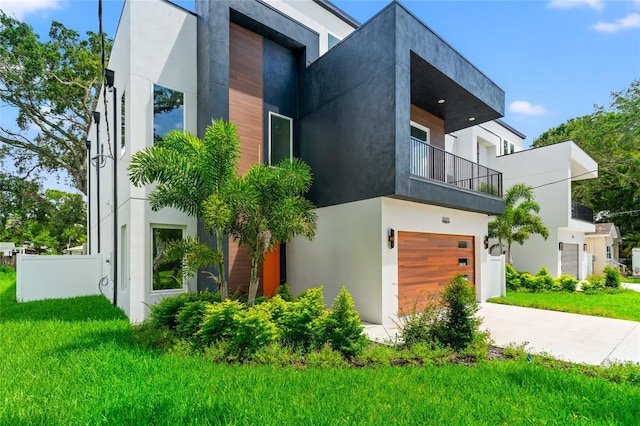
96, 117
560, 246
392, 238
87, 143
584, 247
109, 77
445, 219
486, 242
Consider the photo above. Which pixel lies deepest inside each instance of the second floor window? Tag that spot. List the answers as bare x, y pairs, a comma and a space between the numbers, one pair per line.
280, 138
168, 111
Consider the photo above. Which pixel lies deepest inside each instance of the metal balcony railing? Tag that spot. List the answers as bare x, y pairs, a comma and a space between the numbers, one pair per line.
430, 162
580, 212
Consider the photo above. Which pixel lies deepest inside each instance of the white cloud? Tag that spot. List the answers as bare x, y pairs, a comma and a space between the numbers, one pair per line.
632, 20
524, 107
569, 4
21, 8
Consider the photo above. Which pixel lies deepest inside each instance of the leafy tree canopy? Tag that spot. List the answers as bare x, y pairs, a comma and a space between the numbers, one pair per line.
54, 86
611, 136
52, 218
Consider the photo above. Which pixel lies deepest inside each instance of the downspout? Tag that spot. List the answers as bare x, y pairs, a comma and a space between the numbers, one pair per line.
96, 119
110, 77
87, 143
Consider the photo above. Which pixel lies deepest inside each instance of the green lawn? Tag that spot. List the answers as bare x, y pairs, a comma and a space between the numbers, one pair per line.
623, 305
71, 362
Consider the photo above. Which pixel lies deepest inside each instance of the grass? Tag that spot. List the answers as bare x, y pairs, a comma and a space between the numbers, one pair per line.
622, 305
62, 365
631, 280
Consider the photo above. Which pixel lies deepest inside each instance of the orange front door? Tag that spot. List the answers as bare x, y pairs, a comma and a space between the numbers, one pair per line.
271, 272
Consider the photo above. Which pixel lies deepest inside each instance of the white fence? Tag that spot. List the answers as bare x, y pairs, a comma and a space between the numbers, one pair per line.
56, 277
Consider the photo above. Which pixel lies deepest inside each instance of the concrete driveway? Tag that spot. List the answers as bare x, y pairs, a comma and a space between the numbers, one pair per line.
571, 337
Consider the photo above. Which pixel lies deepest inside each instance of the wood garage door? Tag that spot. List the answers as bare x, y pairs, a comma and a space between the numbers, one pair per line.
425, 261
569, 259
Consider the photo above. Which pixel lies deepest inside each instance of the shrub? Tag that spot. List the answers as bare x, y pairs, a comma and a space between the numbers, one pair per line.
4, 269
512, 278
547, 280
417, 327
276, 356
285, 292
611, 277
189, 320
567, 282
532, 283
253, 330
298, 320
458, 324
163, 315
218, 322
341, 326
326, 357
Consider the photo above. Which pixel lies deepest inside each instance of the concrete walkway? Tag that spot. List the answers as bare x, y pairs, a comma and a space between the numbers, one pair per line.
570, 337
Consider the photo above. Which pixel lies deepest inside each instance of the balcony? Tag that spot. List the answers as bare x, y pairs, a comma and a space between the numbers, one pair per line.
430, 162
580, 212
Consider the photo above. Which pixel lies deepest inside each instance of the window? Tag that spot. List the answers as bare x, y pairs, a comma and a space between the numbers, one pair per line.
505, 147
280, 138
609, 253
332, 41
167, 275
168, 111
512, 148
463, 244
123, 111
419, 150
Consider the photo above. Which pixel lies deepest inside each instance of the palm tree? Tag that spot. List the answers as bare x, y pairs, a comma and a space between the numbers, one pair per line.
189, 172
629, 242
271, 209
520, 219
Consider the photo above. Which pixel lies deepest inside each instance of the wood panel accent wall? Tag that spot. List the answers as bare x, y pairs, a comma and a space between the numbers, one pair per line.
246, 112
433, 123
425, 261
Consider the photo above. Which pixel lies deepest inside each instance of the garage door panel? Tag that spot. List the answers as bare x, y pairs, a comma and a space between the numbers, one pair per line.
426, 262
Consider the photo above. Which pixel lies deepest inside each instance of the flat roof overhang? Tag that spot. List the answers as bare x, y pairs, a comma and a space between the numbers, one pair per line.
460, 109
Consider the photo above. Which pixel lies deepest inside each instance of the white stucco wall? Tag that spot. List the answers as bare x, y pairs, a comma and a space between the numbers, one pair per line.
315, 17
155, 44
351, 249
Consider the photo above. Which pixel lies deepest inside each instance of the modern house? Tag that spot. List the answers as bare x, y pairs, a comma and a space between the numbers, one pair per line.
604, 245
550, 170
373, 108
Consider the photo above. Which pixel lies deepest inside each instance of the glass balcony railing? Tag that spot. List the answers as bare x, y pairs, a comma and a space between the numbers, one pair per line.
430, 162
580, 212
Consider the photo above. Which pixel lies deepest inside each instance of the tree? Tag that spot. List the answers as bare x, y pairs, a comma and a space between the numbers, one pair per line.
54, 219
54, 85
611, 136
520, 219
191, 172
271, 209
630, 241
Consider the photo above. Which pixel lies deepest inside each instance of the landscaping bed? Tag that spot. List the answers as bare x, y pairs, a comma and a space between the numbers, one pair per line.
62, 365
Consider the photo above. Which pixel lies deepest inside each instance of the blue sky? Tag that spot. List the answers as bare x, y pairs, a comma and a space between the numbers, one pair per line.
555, 59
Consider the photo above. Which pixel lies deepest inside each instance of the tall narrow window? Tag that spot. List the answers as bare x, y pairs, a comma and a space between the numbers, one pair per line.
505, 147
419, 150
167, 275
332, 41
609, 253
123, 110
512, 148
280, 138
168, 111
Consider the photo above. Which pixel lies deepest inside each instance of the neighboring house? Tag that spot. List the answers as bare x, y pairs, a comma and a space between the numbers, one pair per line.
550, 170
604, 245
372, 108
